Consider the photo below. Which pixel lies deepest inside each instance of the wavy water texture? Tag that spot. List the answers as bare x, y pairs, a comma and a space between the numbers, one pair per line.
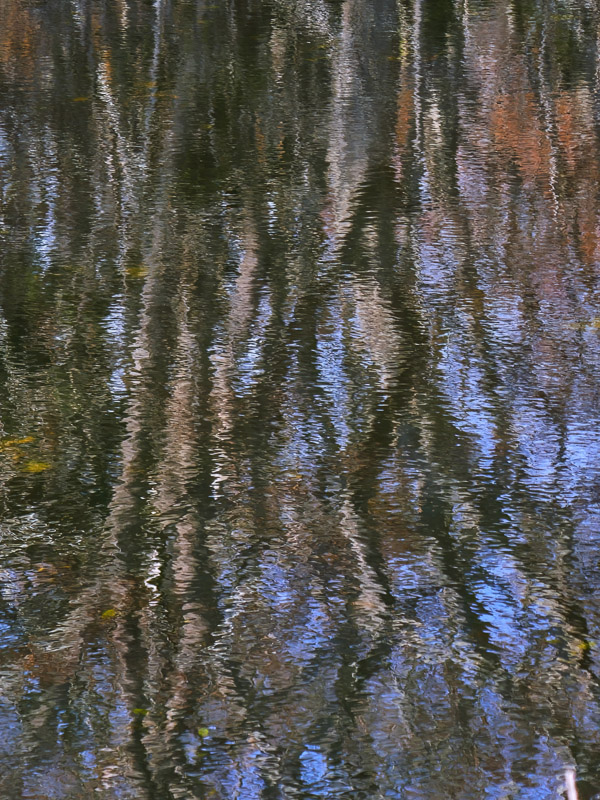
299, 380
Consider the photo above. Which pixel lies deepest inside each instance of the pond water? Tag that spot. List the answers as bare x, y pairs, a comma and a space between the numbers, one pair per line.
299, 399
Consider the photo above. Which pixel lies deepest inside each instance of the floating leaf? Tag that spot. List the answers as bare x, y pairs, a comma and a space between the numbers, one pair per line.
80, 99
16, 442
203, 732
109, 613
582, 325
36, 466
136, 272
141, 712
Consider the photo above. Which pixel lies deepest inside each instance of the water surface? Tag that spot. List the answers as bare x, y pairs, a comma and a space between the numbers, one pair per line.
299, 399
